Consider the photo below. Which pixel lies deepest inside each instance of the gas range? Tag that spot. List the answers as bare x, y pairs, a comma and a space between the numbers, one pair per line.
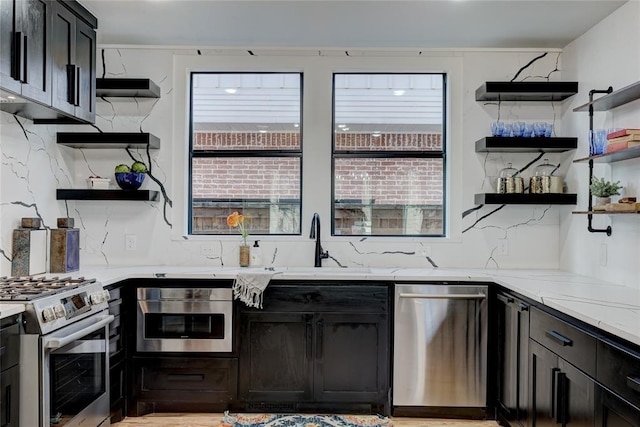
53, 302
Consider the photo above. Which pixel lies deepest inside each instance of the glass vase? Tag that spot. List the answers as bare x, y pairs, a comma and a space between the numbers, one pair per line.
244, 255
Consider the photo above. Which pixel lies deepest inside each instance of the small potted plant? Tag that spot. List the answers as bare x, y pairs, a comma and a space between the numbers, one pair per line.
602, 190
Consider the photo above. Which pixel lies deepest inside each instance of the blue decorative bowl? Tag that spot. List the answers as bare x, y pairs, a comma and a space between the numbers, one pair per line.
130, 180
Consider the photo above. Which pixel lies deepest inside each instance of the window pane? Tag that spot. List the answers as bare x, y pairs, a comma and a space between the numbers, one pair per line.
388, 112
266, 190
388, 196
244, 111
246, 152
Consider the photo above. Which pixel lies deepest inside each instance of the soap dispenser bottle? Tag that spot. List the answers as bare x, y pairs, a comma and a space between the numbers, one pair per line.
256, 255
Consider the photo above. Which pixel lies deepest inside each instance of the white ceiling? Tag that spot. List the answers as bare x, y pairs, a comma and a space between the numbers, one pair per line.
347, 24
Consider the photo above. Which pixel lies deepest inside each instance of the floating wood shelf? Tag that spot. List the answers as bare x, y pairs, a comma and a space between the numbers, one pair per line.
517, 144
141, 88
603, 213
108, 140
91, 194
525, 199
629, 153
614, 99
526, 91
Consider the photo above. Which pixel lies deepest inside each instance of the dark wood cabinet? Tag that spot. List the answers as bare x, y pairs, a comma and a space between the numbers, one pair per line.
560, 393
25, 67
118, 366
512, 359
183, 384
351, 357
613, 411
276, 356
316, 348
73, 64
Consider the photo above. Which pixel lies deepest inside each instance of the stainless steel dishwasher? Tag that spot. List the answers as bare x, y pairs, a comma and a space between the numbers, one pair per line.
440, 346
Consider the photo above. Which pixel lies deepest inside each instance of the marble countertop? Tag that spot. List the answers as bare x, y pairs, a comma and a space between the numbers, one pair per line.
610, 307
7, 310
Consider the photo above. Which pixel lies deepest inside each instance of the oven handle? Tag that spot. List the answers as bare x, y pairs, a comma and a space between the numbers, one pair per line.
61, 342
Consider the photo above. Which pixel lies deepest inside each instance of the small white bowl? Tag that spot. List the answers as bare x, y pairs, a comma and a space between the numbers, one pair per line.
98, 183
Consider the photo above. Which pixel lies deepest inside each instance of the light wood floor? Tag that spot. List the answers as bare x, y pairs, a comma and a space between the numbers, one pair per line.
212, 420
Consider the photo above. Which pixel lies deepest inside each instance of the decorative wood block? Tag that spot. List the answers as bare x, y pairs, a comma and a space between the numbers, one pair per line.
66, 222
29, 252
64, 253
31, 223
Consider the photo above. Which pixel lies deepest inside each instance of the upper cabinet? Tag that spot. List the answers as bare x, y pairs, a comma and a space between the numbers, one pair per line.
25, 66
74, 65
47, 61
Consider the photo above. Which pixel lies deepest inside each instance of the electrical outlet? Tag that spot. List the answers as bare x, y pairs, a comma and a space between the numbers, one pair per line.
503, 247
602, 256
206, 250
130, 242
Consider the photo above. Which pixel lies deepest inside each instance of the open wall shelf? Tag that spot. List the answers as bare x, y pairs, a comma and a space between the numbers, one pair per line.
91, 194
629, 153
140, 88
614, 99
108, 140
526, 91
604, 213
516, 144
525, 199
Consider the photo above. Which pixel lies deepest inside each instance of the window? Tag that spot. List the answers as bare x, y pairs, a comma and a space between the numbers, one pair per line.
388, 154
245, 152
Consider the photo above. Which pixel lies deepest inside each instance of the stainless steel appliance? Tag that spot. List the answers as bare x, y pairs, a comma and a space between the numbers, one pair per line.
440, 346
64, 375
10, 370
184, 319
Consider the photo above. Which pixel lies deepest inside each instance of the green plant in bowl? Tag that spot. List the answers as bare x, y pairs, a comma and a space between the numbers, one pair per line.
602, 188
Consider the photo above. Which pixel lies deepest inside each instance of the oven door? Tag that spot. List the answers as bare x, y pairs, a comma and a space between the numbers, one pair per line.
184, 326
76, 374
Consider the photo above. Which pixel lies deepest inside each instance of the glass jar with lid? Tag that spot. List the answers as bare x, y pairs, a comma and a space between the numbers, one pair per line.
509, 182
540, 182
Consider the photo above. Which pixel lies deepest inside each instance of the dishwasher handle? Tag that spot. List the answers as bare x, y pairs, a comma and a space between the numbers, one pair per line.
442, 296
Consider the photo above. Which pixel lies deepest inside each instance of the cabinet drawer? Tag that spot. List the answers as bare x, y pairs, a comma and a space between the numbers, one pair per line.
114, 294
303, 298
619, 370
565, 340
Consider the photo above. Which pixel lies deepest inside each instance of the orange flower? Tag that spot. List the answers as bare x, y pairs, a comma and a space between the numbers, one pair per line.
234, 219
237, 220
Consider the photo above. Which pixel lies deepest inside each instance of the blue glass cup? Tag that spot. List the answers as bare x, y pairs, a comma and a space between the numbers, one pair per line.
548, 130
506, 132
528, 130
497, 128
597, 141
518, 128
539, 129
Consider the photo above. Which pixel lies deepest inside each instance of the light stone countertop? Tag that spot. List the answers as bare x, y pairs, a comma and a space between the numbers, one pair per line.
7, 310
610, 307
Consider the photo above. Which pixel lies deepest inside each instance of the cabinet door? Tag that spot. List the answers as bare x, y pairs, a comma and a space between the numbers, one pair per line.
276, 357
513, 327
9, 74
85, 79
24, 48
36, 67
543, 381
352, 354
577, 400
63, 77
613, 411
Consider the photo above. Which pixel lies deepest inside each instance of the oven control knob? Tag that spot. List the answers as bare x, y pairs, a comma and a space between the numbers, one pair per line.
59, 311
105, 295
48, 315
95, 298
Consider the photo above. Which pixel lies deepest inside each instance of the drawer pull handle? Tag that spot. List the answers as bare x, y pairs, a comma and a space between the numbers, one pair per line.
559, 338
633, 383
185, 377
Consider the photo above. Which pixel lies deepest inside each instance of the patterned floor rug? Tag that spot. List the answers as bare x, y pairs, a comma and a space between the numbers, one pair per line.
298, 420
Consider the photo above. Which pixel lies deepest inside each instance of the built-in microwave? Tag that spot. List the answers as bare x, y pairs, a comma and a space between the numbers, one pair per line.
184, 320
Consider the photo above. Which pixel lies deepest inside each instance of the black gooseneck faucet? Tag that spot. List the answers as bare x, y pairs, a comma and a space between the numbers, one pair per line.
315, 234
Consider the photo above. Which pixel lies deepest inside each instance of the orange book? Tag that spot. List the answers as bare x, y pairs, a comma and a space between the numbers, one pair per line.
616, 146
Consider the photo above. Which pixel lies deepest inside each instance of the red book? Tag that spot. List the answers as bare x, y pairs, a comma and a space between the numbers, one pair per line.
617, 146
623, 132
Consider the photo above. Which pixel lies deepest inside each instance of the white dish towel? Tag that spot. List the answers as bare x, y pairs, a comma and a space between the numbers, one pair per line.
249, 286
